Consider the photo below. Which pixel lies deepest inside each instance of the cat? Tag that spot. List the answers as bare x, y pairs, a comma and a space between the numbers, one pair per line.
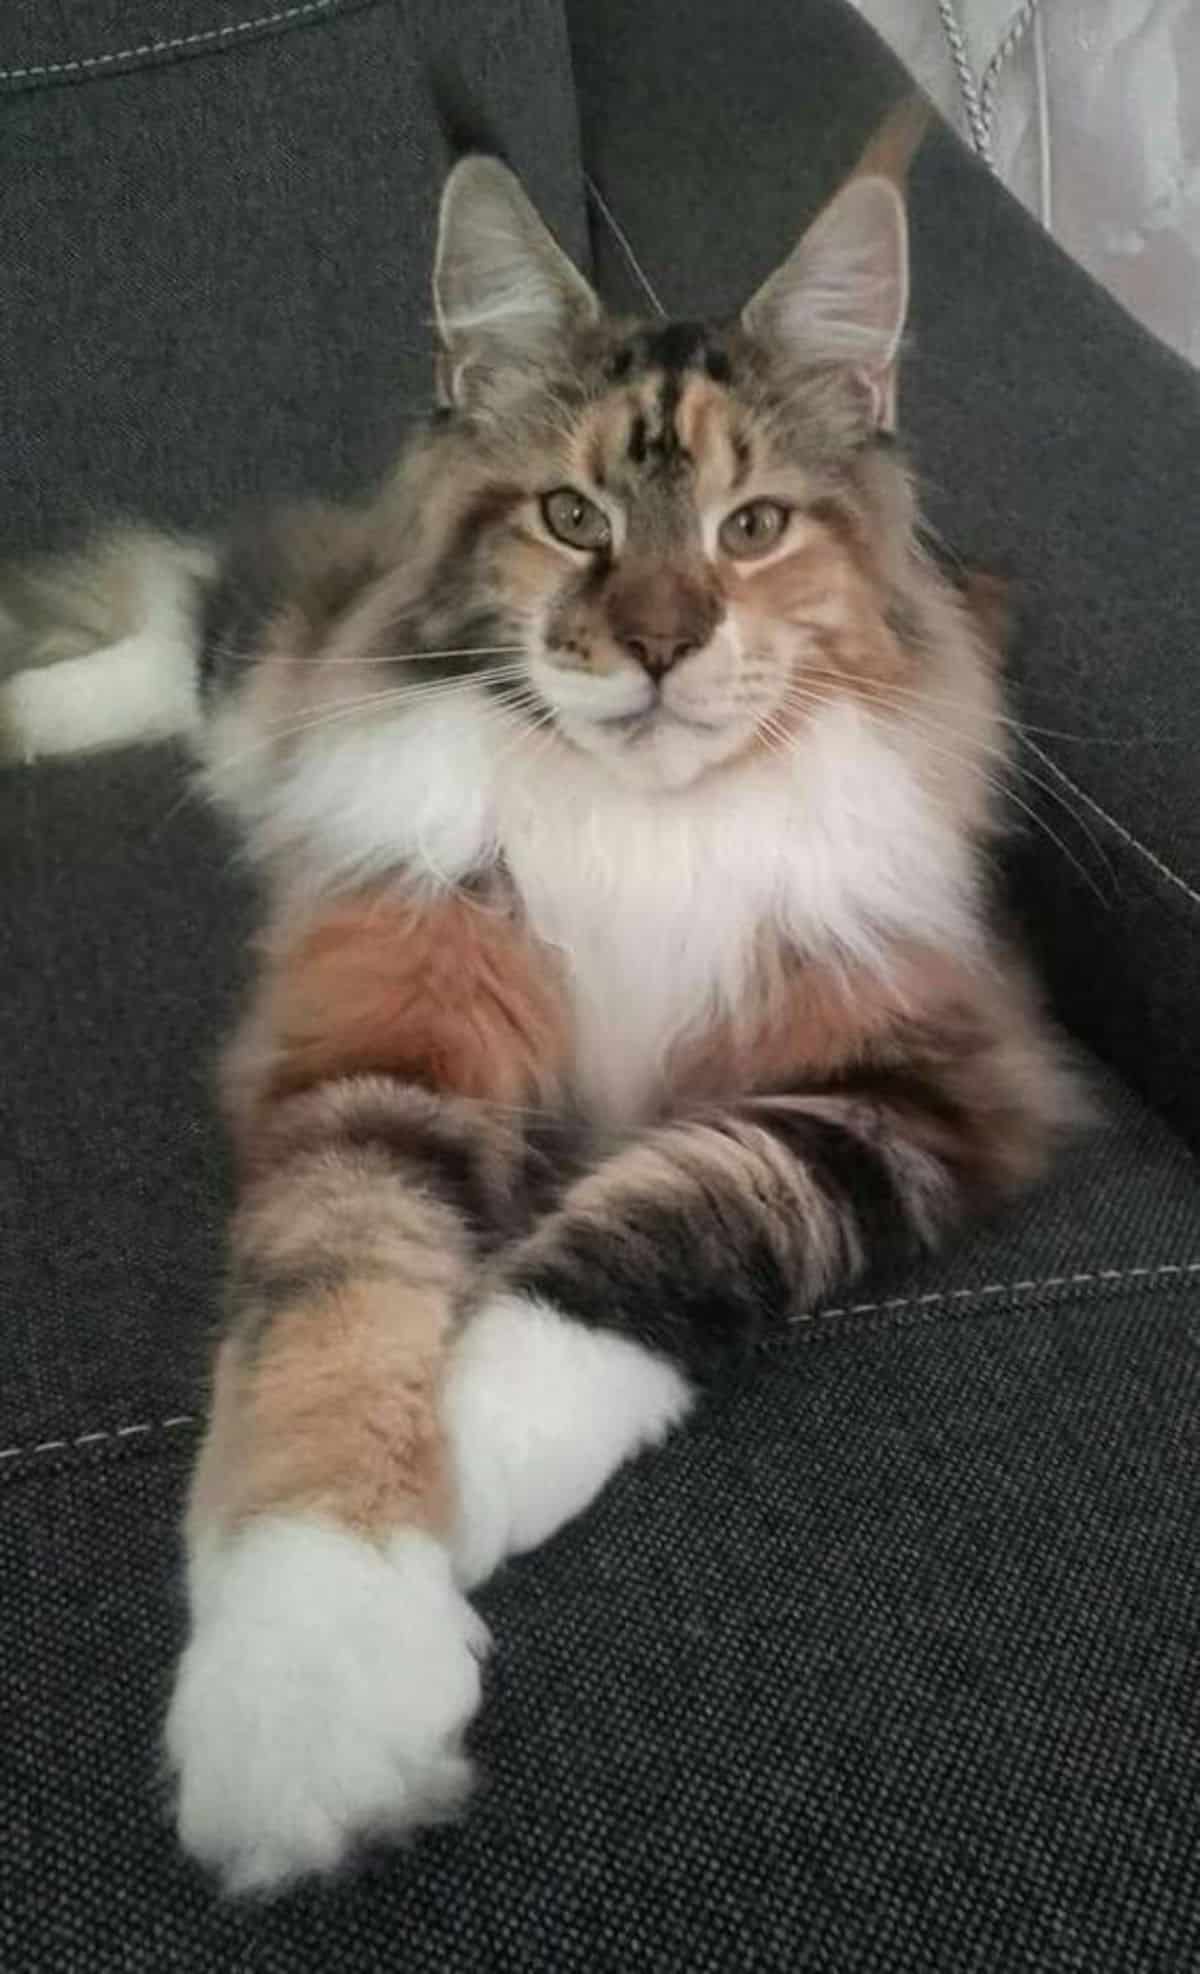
622, 780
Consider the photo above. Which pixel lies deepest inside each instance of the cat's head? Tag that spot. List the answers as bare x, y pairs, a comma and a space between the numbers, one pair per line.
690, 529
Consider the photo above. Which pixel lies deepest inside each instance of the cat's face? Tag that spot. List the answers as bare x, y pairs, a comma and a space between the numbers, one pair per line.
685, 579
678, 520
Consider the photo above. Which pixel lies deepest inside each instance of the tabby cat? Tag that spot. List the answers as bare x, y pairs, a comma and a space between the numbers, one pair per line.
622, 780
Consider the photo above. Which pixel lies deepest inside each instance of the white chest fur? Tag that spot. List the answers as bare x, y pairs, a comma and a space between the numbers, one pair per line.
654, 900
654, 903
657, 901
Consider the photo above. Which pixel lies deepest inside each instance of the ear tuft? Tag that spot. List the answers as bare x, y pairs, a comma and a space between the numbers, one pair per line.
504, 291
841, 296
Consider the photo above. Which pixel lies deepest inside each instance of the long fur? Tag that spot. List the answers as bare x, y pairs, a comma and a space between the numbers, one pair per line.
628, 979
101, 646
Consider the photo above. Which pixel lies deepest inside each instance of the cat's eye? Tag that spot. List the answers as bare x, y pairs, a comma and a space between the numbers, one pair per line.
753, 529
574, 519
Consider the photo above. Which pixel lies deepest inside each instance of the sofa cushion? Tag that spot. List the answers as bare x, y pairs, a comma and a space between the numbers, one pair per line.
886, 1662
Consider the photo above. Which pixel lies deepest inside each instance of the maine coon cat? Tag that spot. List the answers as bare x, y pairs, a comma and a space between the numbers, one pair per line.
621, 780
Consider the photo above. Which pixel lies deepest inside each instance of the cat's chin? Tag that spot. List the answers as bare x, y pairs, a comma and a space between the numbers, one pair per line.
661, 754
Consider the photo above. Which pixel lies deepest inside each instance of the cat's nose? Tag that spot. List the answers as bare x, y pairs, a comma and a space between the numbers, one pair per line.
658, 615
657, 651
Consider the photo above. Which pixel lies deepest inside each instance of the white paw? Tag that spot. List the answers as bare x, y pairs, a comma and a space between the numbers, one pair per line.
540, 1411
323, 1697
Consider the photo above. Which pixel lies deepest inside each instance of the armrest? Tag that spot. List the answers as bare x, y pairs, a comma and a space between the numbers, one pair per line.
1056, 440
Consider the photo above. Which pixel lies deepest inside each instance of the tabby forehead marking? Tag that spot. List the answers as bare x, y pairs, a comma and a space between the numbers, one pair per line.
657, 365
667, 434
672, 347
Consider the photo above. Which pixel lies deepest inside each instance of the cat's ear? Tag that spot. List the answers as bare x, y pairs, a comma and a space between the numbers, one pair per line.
841, 296
504, 292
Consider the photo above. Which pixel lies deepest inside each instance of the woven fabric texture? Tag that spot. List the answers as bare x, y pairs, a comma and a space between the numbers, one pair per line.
887, 1664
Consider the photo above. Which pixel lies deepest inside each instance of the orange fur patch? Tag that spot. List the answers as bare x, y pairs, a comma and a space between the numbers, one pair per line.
976, 1035
348, 1276
702, 425
448, 994
337, 1417
802, 1020
822, 589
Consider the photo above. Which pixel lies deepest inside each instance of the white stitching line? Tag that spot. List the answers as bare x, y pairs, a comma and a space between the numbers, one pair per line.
1025, 1287
165, 47
1164, 1269
1126, 835
94, 1438
622, 239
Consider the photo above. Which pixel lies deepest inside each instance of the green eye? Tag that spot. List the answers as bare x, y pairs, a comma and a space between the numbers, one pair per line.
753, 529
574, 519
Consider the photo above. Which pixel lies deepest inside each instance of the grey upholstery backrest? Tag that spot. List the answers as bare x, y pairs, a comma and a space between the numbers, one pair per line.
218, 228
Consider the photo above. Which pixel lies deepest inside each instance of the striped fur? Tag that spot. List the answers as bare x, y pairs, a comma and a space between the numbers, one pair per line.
698, 1238
377, 1096
621, 780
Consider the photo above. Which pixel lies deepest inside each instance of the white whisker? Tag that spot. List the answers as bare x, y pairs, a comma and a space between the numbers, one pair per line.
419, 657
398, 696
526, 729
1002, 788
1022, 770
917, 693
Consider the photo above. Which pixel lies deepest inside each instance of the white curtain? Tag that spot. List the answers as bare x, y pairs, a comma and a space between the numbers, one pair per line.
1090, 112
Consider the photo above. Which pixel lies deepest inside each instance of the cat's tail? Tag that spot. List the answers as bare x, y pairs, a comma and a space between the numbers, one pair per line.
100, 649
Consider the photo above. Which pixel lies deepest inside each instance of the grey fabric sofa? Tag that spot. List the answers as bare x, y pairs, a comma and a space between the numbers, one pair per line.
890, 1662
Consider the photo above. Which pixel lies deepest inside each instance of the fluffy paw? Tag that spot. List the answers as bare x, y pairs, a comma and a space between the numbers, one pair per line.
541, 1411
322, 1698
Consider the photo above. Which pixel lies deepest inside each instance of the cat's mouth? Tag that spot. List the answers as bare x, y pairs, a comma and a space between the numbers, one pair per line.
655, 747
650, 733
646, 719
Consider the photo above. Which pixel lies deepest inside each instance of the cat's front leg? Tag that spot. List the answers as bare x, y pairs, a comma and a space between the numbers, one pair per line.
541, 1409
670, 1261
333, 1664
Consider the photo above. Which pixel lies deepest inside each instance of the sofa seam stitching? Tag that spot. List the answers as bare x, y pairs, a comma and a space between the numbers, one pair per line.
72, 1443
1026, 1286
300, 11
